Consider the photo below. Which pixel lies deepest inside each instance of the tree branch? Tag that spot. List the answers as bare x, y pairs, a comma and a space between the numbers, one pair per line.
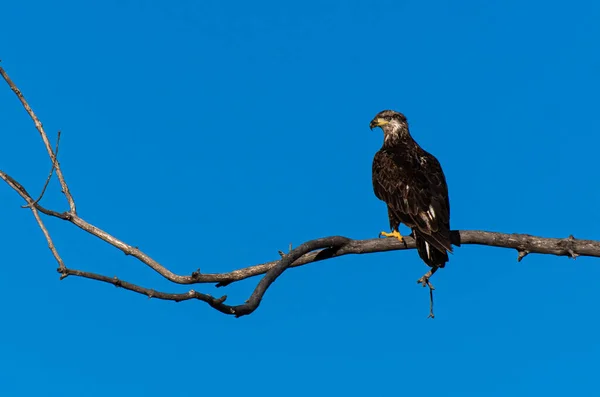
308, 252
34, 209
335, 246
40, 128
37, 200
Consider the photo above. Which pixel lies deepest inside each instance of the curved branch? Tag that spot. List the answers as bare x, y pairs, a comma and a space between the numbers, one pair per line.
238, 310
335, 246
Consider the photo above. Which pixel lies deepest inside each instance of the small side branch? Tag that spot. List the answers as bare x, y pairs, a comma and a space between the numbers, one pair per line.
34, 209
40, 128
54, 160
150, 293
522, 254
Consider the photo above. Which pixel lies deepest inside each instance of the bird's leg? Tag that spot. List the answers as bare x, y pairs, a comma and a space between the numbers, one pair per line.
394, 233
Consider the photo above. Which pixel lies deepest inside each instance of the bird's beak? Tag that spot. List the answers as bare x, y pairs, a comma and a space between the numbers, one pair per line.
378, 122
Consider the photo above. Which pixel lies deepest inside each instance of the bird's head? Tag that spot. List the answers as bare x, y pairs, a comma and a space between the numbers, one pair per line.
392, 123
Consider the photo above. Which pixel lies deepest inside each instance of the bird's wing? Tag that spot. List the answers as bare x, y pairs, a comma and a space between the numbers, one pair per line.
413, 184
389, 183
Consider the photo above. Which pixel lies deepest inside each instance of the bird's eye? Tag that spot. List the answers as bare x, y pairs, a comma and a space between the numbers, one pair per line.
387, 118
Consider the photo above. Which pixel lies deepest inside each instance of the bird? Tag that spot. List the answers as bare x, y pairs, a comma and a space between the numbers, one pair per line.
412, 183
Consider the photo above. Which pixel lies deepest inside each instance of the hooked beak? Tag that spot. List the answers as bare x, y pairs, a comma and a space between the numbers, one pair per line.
378, 122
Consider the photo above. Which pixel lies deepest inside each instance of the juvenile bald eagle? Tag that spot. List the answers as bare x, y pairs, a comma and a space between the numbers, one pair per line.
412, 184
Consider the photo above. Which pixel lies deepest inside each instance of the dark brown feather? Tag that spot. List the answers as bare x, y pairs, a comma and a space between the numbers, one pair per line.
412, 184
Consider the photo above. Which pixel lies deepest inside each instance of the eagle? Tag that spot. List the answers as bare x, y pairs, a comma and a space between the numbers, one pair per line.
412, 184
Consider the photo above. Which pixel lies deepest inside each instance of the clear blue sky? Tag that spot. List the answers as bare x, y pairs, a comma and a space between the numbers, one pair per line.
214, 135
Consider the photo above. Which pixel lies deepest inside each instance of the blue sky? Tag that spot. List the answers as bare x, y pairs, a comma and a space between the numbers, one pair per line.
214, 135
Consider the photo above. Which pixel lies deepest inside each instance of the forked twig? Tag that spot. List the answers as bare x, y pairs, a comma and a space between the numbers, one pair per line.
49, 174
23, 193
40, 128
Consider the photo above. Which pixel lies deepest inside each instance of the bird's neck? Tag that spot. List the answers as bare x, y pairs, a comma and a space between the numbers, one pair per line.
397, 137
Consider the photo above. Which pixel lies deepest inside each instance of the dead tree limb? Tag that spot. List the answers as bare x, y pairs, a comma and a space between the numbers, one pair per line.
39, 126
308, 252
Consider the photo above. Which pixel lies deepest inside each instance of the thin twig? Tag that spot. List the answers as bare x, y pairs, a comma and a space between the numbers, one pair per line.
40, 128
49, 174
150, 293
23, 193
431, 315
424, 281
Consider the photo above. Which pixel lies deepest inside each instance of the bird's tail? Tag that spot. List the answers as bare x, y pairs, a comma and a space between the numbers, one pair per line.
428, 252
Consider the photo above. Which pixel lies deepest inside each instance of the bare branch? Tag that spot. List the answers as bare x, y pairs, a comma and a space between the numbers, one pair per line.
239, 310
40, 128
335, 246
308, 252
27, 197
150, 293
19, 189
523, 242
49, 174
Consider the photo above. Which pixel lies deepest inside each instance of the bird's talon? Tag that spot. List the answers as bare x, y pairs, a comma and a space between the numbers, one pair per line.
395, 233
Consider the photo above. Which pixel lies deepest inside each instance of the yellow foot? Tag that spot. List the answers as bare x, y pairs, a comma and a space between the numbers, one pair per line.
395, 233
